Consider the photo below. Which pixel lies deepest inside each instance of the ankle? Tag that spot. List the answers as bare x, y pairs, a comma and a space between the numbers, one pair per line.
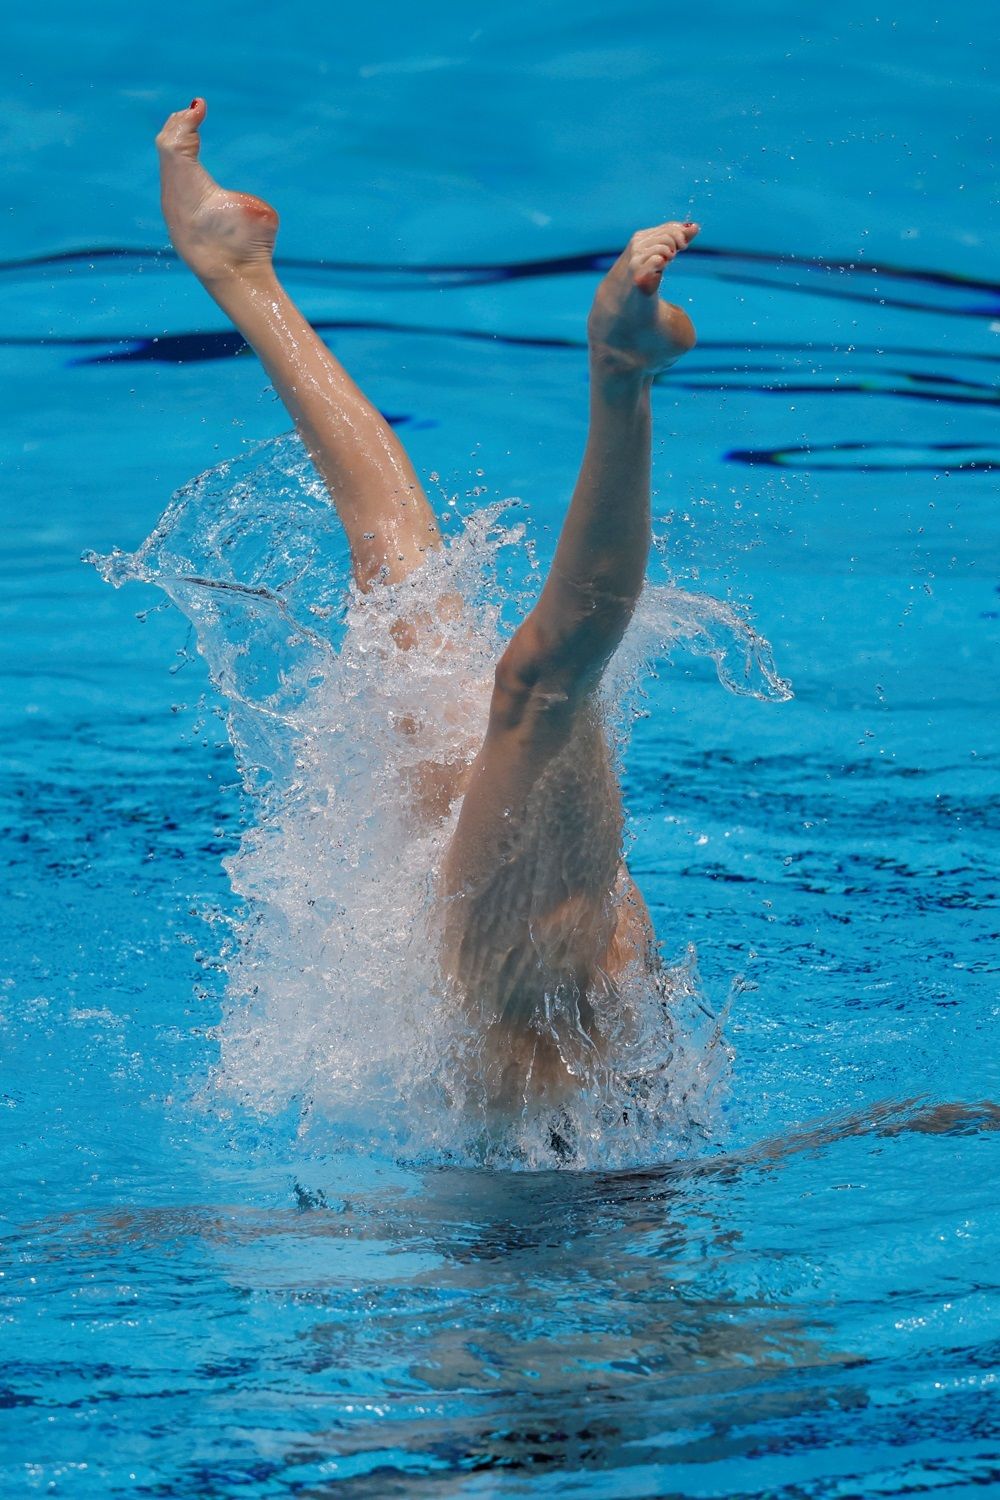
616, 376
242, 291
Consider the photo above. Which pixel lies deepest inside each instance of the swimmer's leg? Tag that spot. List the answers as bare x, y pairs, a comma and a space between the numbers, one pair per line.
600, 562
546, 678
227, 240
569, 917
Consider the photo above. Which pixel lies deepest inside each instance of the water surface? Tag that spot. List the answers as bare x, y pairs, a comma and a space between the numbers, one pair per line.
202, 1300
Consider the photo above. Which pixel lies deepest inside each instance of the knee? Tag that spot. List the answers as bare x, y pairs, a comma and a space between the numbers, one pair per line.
549, 671
524, 661
577, 644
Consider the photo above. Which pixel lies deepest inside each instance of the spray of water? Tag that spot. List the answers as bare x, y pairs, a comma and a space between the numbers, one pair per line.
334, 1005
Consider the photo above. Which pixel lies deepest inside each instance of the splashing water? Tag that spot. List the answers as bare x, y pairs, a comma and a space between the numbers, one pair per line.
333, 1001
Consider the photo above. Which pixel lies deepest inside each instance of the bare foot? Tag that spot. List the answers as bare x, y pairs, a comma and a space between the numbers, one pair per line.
631, 330
216, 232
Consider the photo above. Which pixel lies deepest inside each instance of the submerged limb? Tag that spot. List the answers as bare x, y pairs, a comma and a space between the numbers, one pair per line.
227, 240
889, 1117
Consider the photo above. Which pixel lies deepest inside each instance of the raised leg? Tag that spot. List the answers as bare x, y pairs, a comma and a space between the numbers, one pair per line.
600, 562
227, 239
555, 659
538, 902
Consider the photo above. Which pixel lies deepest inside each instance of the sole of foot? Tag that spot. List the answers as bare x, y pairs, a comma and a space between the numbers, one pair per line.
216, 232
632, 330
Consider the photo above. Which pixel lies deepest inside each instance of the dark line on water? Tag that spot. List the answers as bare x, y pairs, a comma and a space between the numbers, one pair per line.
777, 458
841, 388
540, 341
556, 265
844, 294
208, 345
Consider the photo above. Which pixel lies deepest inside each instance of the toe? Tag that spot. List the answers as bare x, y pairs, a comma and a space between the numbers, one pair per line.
681, 234
666, 247
182, 125
648, 272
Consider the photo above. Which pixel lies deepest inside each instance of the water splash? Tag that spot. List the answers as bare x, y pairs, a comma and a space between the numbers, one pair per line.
333, 1003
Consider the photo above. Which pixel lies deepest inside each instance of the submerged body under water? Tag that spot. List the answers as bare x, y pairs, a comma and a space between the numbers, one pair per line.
337, 1000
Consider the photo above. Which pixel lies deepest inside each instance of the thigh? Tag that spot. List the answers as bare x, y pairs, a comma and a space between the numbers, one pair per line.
530, 875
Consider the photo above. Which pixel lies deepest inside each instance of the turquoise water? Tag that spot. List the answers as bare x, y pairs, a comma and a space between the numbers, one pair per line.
800, 1296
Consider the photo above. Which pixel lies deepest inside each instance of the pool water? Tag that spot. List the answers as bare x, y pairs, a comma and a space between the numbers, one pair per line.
802, 1297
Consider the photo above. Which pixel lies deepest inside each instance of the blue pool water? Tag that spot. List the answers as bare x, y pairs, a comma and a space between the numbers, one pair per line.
210, 1288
